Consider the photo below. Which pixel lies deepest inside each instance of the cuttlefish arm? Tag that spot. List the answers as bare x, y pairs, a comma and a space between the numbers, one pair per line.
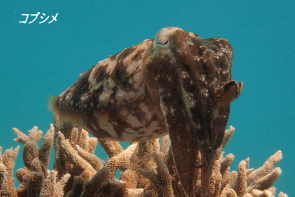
189, 80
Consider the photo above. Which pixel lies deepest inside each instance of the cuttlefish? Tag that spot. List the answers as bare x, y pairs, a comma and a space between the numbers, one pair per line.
176, 83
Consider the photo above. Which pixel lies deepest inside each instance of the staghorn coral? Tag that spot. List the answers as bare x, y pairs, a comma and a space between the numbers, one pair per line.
147, 169
35, 178
7, 162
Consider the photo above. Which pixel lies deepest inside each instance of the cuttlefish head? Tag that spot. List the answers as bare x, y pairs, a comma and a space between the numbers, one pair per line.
189, 81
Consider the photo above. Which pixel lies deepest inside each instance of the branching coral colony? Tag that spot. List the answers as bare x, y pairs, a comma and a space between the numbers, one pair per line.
147, 169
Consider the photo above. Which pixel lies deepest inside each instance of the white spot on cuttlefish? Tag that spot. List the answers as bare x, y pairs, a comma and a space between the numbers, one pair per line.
172, 110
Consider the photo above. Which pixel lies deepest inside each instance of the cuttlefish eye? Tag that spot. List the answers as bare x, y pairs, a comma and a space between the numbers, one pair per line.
164, 43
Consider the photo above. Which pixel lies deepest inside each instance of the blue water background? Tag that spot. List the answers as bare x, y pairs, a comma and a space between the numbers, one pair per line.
38, 60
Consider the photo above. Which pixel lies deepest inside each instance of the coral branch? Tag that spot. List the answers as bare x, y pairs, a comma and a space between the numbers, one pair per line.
79, 173
92, 186
112, 148
161, 180
46, 146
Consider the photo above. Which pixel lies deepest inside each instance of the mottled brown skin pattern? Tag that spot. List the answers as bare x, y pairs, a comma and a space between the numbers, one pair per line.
190, 79
176, 82
111, 101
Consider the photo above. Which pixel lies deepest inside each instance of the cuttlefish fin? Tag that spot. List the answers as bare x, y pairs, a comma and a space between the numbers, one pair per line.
228, 92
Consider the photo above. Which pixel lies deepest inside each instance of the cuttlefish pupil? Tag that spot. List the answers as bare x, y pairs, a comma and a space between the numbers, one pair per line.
176, 83
165, 42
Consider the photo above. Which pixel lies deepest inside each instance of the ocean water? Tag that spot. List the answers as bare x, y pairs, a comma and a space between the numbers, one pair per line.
42, 59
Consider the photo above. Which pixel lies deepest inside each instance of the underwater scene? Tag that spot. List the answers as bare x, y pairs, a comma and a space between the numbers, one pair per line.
153, 98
